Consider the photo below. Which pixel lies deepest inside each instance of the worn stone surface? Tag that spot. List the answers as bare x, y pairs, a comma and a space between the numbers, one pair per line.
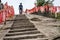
48, 26
23, 29
46, 29
3, 28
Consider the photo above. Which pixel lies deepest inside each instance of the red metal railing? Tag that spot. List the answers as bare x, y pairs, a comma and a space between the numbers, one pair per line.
7, 12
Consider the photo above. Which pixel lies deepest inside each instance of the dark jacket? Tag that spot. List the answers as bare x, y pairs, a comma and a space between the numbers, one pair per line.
20, 7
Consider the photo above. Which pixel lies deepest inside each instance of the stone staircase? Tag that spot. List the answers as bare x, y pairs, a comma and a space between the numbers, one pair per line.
23, 29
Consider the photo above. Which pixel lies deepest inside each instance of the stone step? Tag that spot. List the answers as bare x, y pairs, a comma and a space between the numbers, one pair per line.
18, 20
23, 23
25, 19
21, 18
30, 36
22, 30
23, 33
22, 27
29, 39
37, 39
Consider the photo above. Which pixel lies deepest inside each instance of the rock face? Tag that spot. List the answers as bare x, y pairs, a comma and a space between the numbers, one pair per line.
23, 29
48, 26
